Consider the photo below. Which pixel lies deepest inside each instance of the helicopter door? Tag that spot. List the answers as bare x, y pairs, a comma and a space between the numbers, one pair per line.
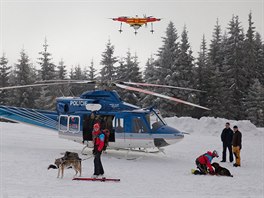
119, 128
139, 136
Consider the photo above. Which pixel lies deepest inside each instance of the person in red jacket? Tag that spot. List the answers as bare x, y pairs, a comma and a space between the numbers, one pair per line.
203, 162
98, 140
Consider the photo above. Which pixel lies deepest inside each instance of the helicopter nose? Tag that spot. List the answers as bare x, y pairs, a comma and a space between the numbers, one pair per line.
177, 138
161, 142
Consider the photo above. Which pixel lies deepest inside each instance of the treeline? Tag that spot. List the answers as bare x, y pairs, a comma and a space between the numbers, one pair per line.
230, 69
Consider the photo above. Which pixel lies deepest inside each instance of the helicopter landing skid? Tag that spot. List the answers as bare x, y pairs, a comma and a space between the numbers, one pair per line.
154, 150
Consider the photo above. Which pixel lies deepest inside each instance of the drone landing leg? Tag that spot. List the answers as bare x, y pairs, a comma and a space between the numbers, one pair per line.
120, 30
152, 28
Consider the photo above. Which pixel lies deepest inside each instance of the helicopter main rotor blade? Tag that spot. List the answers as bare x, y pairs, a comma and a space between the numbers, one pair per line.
67, 81
41, 84
159, 95
165, 86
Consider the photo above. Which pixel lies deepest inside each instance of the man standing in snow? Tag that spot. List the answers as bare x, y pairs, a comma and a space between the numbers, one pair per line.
237, 140
227, 137
98, 140
203, 162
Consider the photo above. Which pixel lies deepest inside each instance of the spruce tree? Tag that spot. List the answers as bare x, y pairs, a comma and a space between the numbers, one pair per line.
202, 79
62, 75
259, 50
77, 74
130, 71
4, 78
150, 76
166, 70
24, 75
108, 72
92, 71
236, 81
150, 72
255, 103
215, 71
250, 58
47, 72
121, 70
62, 72
184, 69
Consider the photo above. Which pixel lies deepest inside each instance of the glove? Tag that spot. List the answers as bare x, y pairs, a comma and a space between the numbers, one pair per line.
95, 151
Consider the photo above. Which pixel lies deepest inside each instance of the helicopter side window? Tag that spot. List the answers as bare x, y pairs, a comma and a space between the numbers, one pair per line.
138, 125
119, 125
63, 123
74, 124
154, 121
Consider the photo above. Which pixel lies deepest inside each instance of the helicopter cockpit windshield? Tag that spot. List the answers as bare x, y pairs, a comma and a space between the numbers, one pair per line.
155, 120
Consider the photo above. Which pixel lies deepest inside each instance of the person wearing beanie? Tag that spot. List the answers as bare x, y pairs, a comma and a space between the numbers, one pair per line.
237, 145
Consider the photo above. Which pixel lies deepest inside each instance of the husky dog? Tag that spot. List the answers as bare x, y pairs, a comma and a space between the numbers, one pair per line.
69, 160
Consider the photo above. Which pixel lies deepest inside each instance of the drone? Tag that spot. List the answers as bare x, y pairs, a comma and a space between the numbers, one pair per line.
130, 126
136, 22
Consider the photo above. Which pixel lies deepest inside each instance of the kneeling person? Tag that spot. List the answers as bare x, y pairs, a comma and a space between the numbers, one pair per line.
203, 162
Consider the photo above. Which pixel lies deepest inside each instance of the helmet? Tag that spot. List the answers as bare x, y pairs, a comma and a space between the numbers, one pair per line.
215, 154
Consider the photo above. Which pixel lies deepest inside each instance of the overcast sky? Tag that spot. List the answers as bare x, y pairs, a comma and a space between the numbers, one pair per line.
78, 31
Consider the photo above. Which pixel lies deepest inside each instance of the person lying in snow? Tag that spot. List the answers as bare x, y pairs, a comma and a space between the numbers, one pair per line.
203, 163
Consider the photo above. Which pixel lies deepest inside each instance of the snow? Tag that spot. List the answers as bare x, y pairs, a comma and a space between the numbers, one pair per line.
26, 152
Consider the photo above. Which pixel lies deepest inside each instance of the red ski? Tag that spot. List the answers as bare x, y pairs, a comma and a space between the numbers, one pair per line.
96, 179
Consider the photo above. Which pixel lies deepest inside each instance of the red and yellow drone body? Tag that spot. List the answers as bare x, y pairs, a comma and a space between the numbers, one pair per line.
136, 22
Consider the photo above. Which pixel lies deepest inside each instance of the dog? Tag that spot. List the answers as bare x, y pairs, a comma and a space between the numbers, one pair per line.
221, 170
69, 160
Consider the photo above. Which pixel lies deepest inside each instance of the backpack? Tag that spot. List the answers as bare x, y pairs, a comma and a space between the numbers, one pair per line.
106, 132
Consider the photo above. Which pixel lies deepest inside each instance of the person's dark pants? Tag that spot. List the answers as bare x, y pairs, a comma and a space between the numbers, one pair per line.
98, 167
225, 146
202, 167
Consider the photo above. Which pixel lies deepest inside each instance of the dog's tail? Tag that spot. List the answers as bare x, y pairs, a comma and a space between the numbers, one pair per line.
52, 166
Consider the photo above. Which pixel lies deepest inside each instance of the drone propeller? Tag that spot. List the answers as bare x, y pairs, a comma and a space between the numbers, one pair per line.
164, 86
159, 95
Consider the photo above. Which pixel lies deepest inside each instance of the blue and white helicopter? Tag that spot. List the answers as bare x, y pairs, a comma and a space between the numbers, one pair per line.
130, 126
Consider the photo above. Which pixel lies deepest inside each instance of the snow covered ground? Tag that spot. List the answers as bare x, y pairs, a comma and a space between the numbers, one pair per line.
26, 152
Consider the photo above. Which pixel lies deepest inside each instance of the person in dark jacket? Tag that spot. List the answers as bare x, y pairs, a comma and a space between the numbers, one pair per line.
203, 162
98, 139
237, 145
227, 137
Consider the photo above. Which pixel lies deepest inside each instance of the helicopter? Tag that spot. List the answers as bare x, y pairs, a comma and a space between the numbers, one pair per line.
130, 126
136, 22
